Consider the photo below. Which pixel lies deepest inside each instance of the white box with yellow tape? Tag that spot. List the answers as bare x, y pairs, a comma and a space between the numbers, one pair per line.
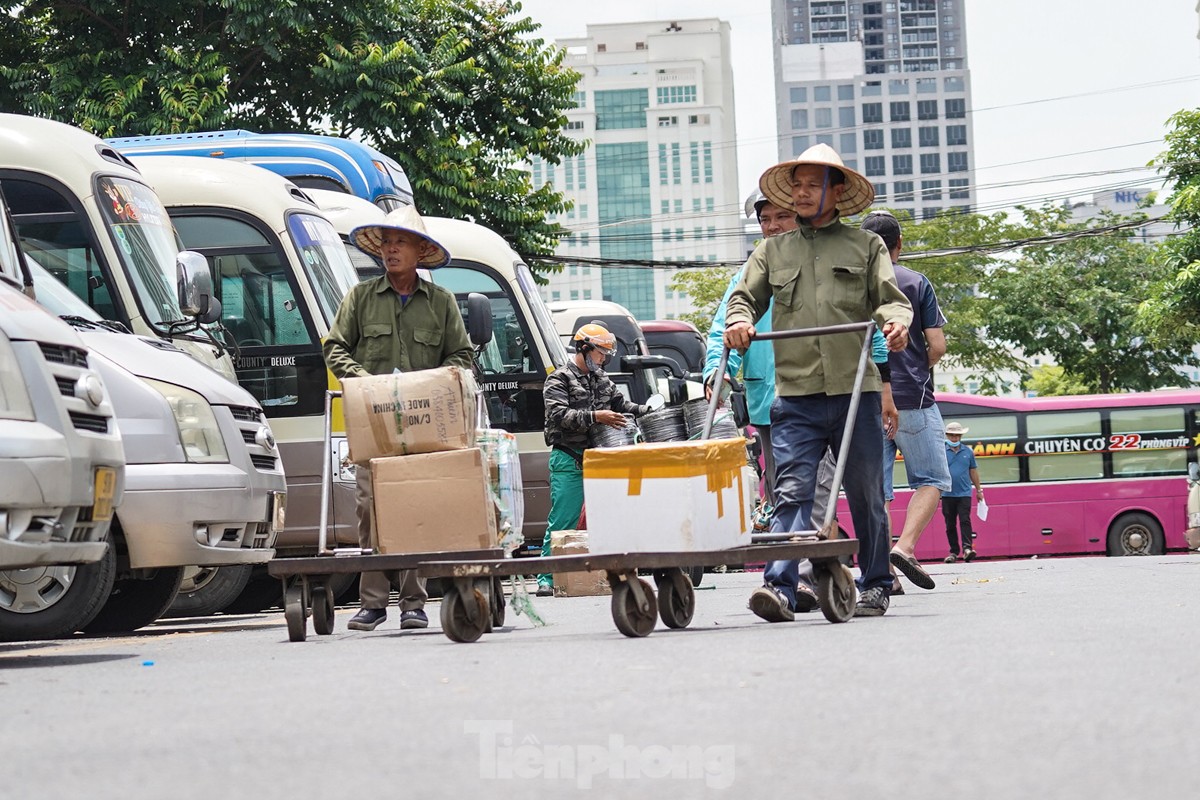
667, 497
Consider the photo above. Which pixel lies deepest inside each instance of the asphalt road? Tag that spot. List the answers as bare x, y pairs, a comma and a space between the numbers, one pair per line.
1055, 678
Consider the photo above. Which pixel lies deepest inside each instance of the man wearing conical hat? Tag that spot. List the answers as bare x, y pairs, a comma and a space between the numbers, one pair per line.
396, 322
823, 273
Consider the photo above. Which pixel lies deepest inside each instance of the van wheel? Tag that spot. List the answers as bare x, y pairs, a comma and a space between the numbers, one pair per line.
1136, 534
207, 590
52, 602
261, 592
136, 603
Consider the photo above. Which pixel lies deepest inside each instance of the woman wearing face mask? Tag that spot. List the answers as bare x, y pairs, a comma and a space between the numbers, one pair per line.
577, 397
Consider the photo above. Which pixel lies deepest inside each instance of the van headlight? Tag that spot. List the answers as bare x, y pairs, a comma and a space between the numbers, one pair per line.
198, 429
14, 397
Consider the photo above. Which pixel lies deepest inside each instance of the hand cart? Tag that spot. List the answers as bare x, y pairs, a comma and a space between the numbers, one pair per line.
634, 606
307, 589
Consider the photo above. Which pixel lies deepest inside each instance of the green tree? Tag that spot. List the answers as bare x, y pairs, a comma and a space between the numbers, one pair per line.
1173, 308
460, 92
1052, 380
1076, 300
705, 288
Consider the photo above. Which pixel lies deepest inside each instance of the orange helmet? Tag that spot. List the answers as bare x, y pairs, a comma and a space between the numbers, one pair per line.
596, 336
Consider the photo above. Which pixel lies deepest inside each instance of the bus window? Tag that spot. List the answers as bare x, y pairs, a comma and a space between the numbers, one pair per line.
512, 375
998, 463
326, 263
1047, 464
51, 231
1136, 436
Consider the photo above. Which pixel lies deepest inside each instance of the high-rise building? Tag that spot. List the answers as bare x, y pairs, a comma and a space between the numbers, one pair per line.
659, 181
886, 84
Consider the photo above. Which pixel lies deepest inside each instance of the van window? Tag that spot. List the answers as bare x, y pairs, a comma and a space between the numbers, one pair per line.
325, 261
513, 375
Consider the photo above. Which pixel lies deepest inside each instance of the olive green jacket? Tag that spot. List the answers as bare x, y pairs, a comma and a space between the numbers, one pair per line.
373, 334
830, 275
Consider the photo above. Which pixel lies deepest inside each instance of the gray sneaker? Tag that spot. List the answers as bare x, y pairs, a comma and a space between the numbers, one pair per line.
872, 603
770, 604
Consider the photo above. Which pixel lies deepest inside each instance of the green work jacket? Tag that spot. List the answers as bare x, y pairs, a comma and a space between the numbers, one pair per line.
823, 276
374, 334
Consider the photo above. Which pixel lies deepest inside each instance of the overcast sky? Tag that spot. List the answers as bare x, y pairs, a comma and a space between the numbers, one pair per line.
1049, 81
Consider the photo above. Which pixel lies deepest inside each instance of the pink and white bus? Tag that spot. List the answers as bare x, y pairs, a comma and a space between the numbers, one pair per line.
1081, 475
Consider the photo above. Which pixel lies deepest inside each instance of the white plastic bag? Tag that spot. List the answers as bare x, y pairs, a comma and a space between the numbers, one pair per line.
981, 511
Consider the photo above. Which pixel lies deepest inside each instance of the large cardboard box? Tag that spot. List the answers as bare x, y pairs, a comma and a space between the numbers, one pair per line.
433, 502
412, 412
667, 497
576, 584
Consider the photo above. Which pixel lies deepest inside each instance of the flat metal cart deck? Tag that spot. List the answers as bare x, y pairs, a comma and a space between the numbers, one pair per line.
465, 609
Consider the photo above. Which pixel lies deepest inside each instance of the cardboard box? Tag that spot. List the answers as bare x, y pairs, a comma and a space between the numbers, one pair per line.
576, 584
433, 502
667, 497
406, 413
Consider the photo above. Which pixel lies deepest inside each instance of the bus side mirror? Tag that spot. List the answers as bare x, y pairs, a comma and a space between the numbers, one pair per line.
479, 319
195, 286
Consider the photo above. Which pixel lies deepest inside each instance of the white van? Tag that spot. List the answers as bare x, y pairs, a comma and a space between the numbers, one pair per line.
62, 467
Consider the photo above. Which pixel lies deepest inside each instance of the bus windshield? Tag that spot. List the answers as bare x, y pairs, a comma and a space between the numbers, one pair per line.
545, 322
325, 260
145, 243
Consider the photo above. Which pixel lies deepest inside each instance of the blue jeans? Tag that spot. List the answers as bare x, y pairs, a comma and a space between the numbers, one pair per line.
801, 429
921, 439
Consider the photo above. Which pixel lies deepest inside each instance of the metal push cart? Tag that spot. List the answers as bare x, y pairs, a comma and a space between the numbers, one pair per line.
634, 606
307, 589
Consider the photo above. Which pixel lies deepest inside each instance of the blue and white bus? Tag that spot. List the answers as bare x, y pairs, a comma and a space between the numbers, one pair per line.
307, 160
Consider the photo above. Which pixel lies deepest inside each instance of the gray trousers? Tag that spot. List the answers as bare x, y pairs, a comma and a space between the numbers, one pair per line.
375, 587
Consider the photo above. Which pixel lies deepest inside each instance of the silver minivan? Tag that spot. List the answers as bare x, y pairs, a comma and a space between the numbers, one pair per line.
204, 484
62, 465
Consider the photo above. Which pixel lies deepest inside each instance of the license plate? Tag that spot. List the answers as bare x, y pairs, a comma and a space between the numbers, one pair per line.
106, 488
278, 510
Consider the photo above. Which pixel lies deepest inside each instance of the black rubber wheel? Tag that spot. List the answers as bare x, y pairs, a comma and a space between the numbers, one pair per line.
52, 602
294, 612
696, 574
322, 609
136, 603
456, 624
261, 592
496, 603
1136, 534
836, 592
631, 620
674, 607
207, 590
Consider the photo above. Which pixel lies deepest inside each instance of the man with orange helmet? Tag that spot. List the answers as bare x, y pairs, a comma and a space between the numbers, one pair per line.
577, 397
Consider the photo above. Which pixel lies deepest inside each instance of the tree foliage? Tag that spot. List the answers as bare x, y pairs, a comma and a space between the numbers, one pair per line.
1077, 300
1173, 307
1051, 380
459, 92
705, 288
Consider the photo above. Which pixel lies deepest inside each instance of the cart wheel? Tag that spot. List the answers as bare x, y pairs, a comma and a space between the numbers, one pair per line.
485, 587
322, 601
674, 606
456, 624
497, 603
631, 620
835, 590
294, 612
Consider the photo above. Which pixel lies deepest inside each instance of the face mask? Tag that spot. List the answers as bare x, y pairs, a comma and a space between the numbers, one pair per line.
953, 444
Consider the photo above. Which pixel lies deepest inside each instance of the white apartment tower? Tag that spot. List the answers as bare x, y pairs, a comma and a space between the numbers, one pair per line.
659, 181
886, 84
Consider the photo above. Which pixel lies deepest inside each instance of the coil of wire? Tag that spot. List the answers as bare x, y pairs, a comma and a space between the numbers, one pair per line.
695, 412
665, 425
607, 436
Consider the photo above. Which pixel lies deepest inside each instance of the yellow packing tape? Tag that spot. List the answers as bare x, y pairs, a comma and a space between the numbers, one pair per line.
720, 461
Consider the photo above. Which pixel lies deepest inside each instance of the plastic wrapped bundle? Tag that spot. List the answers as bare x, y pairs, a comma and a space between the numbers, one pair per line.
504, 479
695, 412
665, 425
601, 435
